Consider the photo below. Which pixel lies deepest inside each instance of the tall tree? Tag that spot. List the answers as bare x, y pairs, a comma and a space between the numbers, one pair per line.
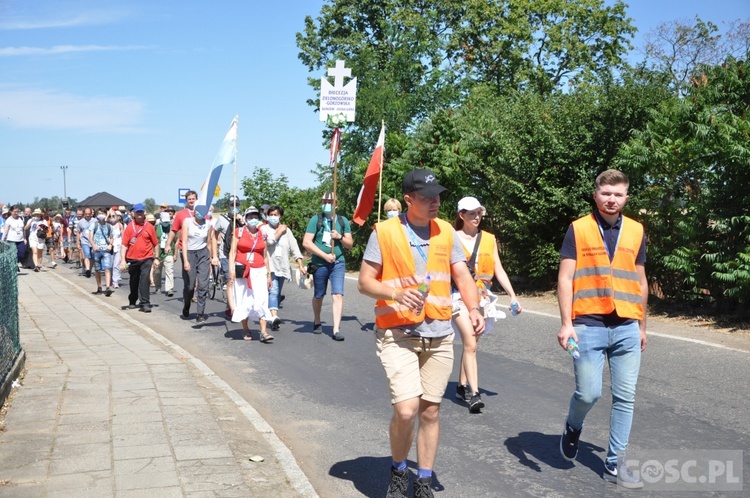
680, 47
694, 160
541, 45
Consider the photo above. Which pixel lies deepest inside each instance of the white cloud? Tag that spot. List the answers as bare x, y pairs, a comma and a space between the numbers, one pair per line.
64, 49
46, 109
93, 18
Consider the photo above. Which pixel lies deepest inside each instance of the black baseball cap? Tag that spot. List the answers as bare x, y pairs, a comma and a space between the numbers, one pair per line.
423, 182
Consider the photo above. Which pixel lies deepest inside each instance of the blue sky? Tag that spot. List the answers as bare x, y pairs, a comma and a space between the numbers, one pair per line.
136, 96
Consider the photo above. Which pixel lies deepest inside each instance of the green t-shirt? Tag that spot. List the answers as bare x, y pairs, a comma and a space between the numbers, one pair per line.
312, 227
162, 234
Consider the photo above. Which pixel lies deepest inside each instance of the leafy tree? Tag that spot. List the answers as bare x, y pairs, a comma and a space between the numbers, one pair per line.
694, 160
679, 47
514, 44
531, 160
150, 204
263, 187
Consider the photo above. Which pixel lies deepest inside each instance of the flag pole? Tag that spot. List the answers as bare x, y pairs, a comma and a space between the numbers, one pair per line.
380, 177
336, 131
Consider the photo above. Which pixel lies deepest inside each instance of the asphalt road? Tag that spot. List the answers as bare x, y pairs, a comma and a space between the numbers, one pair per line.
329, 402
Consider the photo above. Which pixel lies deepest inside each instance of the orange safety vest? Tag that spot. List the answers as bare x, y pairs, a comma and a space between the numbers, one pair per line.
484, 266
601, 287
399, 271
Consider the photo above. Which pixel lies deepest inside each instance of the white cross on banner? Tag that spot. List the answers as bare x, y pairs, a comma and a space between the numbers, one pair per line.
338, 98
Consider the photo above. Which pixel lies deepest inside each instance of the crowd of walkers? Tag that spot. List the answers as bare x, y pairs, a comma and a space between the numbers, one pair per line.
431, 281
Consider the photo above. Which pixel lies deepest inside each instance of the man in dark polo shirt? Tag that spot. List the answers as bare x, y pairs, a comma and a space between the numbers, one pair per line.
602, 292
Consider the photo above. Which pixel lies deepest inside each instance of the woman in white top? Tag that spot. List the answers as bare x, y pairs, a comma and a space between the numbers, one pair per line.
115, 219
196, 261
13, 232
280, 244
34, 225
484, 260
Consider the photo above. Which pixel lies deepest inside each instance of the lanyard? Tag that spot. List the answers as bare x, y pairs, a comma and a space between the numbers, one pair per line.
414, 241
257, 236
139, 231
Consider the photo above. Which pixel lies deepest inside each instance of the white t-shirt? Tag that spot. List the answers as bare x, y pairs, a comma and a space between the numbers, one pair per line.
14, 227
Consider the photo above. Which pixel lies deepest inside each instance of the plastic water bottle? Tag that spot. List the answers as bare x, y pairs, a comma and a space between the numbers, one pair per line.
514, 308
424, 289
573, 349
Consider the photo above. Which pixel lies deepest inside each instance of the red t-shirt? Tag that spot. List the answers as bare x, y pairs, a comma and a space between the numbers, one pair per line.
180, 217
248, 244
139, 241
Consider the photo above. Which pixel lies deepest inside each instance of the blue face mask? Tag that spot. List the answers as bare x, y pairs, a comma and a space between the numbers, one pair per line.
253, 222
273, 220
392, 214
327, 208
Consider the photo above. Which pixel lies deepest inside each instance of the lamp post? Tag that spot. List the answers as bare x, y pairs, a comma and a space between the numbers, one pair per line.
65, 184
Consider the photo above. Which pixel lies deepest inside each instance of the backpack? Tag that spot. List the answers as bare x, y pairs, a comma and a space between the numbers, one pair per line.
228, 238
338, 222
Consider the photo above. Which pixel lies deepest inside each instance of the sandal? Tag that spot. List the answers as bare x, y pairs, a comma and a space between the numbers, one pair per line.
248, 336
266, 338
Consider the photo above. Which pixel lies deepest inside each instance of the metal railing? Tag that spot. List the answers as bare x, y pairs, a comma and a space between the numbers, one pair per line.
10, 344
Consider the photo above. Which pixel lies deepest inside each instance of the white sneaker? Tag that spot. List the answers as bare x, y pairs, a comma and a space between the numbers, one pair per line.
54, 264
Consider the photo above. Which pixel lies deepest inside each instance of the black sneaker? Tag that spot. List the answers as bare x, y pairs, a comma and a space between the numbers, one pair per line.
186, 310
569, 442
88, 273
98, 291
275, 323
462, 392
170, 293
422, 488
476, 404
622, 475
146, 308
200, 319
108, 292
399, 483
37, 269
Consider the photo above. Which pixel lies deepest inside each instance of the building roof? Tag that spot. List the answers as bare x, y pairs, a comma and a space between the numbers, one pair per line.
105, 200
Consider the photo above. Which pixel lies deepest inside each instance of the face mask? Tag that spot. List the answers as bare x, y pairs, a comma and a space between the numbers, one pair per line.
392, 214
273, 220
253, 222
327, 208
101, 217
112, 221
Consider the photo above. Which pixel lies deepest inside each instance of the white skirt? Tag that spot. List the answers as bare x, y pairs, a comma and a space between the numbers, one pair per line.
252, 303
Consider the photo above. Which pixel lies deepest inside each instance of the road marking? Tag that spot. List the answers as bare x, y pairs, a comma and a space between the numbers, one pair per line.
655, 334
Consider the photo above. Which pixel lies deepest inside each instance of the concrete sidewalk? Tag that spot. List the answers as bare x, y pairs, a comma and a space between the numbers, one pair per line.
110, 408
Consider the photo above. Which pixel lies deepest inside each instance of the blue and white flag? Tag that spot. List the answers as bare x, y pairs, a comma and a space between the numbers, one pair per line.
225, 157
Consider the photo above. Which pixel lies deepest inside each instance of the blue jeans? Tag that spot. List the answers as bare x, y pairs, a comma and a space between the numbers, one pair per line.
333, 271
621, 346
102, 261
277, 283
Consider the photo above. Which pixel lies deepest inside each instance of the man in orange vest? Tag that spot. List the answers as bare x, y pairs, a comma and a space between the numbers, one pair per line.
602, 292
407, 267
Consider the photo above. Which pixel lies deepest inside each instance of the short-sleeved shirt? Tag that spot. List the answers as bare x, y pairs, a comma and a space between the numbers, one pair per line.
100, 234
312, 227
430, 327
83, 229
180, 217
14, 227
611, 234
221, 226
139, 240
